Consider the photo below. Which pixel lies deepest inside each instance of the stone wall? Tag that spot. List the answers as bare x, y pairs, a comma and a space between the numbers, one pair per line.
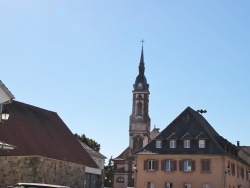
38, 169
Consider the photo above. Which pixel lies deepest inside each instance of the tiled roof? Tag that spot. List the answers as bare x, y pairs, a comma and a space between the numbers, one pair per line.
244, 153
188, 125
91, 151
187, 136
172, 137
201, 136
36, 131
123, 155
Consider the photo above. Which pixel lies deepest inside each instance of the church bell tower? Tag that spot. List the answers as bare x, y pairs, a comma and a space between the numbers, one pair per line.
139, 124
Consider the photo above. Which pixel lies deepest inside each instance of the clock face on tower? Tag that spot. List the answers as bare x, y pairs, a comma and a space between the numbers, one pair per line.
139, 85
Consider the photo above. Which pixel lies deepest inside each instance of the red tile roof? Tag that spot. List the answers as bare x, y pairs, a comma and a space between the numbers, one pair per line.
36, 131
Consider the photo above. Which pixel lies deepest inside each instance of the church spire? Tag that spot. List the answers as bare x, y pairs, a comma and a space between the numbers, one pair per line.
141, 65
141, 81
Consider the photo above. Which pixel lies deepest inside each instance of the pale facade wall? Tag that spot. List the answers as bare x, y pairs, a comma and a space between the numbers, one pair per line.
237, 179
99, 161
39, 170
119, 184
216, 177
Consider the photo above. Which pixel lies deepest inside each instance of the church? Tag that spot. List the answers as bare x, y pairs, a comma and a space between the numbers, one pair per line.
187, 153
140, 133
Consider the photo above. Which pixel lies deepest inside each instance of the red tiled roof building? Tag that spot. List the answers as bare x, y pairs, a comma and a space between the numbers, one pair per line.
46, 150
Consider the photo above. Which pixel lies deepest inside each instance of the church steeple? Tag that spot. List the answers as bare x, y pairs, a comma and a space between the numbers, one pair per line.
141, 81
139, 126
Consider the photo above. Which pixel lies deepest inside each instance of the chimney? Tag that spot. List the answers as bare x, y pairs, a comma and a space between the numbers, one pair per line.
238, 143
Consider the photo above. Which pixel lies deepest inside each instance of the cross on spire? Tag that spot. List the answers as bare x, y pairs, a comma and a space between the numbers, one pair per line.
142, 41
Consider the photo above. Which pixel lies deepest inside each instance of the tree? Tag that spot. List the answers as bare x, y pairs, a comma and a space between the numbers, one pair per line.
89, 142
109, 173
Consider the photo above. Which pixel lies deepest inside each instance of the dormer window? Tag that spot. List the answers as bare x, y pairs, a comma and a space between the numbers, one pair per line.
186, 143
158, 144
172, 143
202, 144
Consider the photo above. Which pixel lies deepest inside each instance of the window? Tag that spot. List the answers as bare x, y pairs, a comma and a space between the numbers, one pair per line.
247, 175
139, 109
242, 173
168, 185
138, 143
172, 144
158, 144
170, 165
205, 165
150, 185
187, 185
205, 185
120, 180
228, 167
151, 165
233, 169
238, 172
187, 165
202, 144
186, 143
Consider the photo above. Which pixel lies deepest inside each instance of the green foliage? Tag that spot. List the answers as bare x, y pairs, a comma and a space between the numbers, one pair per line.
89, 142
109, 173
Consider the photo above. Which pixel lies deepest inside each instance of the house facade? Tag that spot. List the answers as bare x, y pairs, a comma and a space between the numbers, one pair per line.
190, 153
46, 150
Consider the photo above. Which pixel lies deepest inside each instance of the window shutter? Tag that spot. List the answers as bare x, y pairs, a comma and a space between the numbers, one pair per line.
209, 165
175, 165
202, 165
193, 165
146, 165
163, 164
156, 165
180, 165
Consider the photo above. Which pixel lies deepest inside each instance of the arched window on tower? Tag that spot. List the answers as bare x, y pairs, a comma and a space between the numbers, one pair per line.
139, 109
138, 143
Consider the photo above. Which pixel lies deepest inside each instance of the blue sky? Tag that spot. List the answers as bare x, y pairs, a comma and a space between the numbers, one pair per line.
80, 59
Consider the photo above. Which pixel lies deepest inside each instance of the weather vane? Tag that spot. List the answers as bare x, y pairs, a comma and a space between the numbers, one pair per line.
142, 41
201, 111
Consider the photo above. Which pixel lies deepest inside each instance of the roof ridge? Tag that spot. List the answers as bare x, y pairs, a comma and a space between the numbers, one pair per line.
6, 90
33, 106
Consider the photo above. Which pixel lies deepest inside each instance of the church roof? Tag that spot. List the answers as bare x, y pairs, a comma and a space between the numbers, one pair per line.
36, 131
